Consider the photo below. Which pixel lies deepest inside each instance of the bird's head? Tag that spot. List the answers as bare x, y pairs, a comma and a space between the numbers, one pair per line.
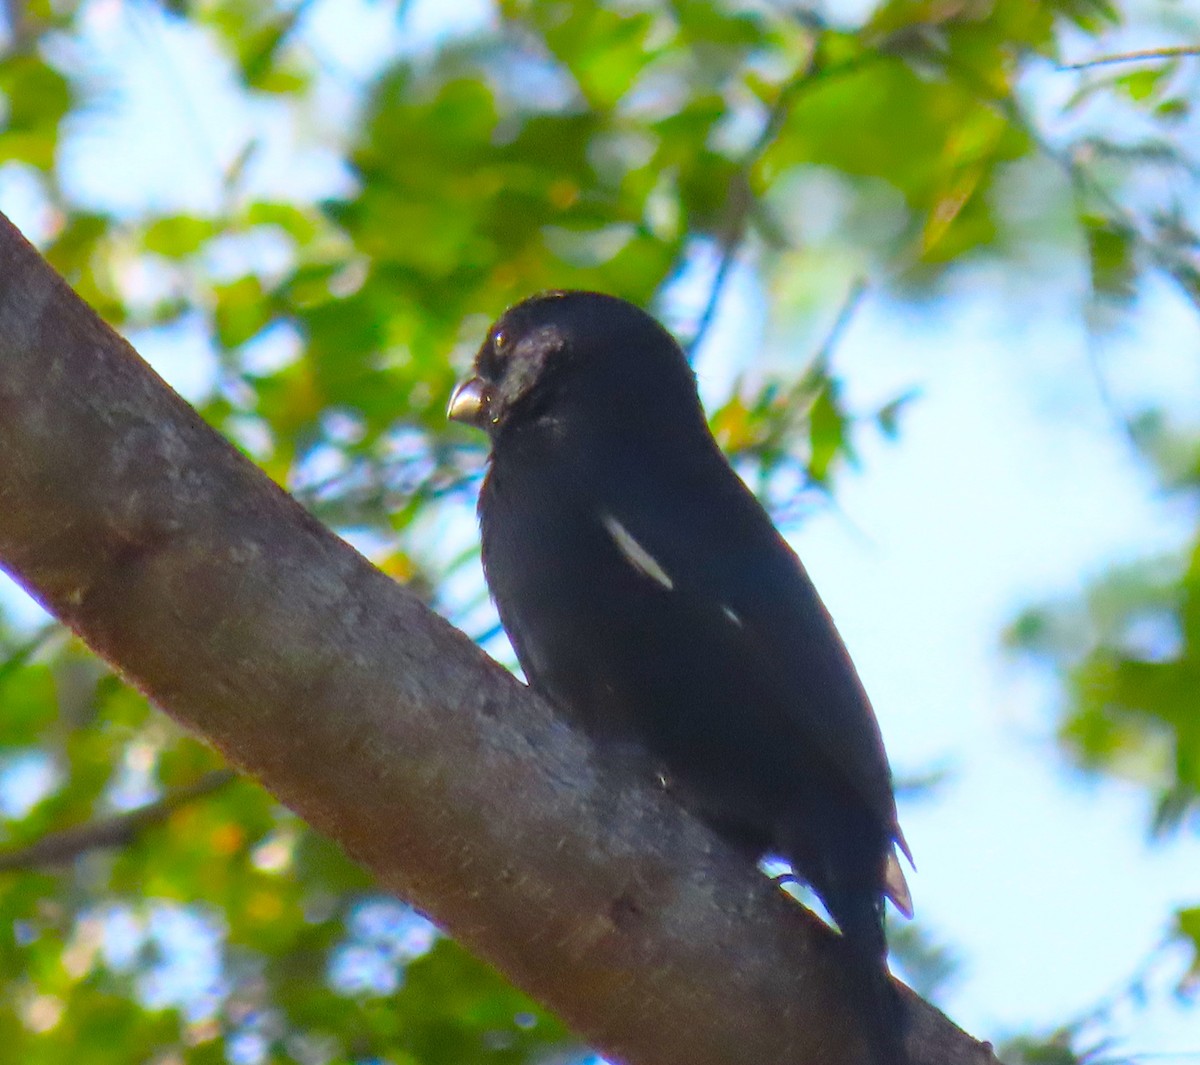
575, 356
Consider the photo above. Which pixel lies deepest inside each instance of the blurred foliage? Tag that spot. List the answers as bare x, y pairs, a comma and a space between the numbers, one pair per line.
1027, 1051
1127, 653
645, 148
1130, 672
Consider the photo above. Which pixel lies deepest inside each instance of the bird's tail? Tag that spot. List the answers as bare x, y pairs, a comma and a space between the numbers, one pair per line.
860, 918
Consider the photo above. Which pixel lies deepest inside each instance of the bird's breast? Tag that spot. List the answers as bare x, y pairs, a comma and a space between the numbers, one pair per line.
569, 599
605, 627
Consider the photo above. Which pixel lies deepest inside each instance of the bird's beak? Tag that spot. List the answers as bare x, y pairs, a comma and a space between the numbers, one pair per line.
469, 403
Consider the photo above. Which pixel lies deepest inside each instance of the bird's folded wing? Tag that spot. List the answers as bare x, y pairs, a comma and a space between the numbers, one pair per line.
726, 558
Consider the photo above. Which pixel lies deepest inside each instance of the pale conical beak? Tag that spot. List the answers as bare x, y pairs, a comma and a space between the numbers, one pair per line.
469, 404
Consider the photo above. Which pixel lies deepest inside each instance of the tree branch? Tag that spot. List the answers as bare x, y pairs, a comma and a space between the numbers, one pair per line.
1177, 266
18, 24
740, 200
841, 322
1173, 52
249, 622
67, 845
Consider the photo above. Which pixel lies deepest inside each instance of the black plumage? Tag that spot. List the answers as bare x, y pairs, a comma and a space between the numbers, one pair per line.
648, 595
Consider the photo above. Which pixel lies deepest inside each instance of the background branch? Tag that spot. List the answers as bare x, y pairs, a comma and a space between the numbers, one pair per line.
1141, 55
67, 845
740, 201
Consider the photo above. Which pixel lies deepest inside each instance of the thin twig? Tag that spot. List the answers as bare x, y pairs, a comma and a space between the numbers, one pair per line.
1176, 266
488, 634
797, 507
58, 848
850, 305
737, 210
729, 251
1141, 55
1107, 400
741, 195
1131, 991
18, 656
18, 25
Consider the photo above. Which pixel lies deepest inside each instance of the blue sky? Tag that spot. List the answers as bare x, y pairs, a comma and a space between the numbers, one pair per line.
1008, 485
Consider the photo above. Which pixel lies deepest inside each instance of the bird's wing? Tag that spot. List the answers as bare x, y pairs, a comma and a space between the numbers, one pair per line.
716, 545
783, 613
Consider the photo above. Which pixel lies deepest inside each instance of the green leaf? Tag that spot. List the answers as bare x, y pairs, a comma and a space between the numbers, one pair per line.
1111, 248
178, 236
1145, 82
27, 703
242, 310
36, 99
604, 49
827, 432
1187, 928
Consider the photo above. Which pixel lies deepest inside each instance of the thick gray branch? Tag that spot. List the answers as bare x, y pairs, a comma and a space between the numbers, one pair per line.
216, 594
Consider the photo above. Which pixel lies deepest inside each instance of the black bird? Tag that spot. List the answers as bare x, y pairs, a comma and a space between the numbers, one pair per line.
648, 596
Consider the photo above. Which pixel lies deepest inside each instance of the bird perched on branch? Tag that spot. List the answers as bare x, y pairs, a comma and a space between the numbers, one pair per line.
649, 597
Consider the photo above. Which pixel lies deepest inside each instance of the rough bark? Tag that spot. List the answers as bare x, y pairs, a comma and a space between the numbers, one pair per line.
216, 594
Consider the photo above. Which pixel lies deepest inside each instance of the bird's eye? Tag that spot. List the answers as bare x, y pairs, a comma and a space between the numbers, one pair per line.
500, 341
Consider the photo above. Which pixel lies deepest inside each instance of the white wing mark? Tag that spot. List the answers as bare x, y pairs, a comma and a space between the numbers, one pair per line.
641, 559
733, 616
